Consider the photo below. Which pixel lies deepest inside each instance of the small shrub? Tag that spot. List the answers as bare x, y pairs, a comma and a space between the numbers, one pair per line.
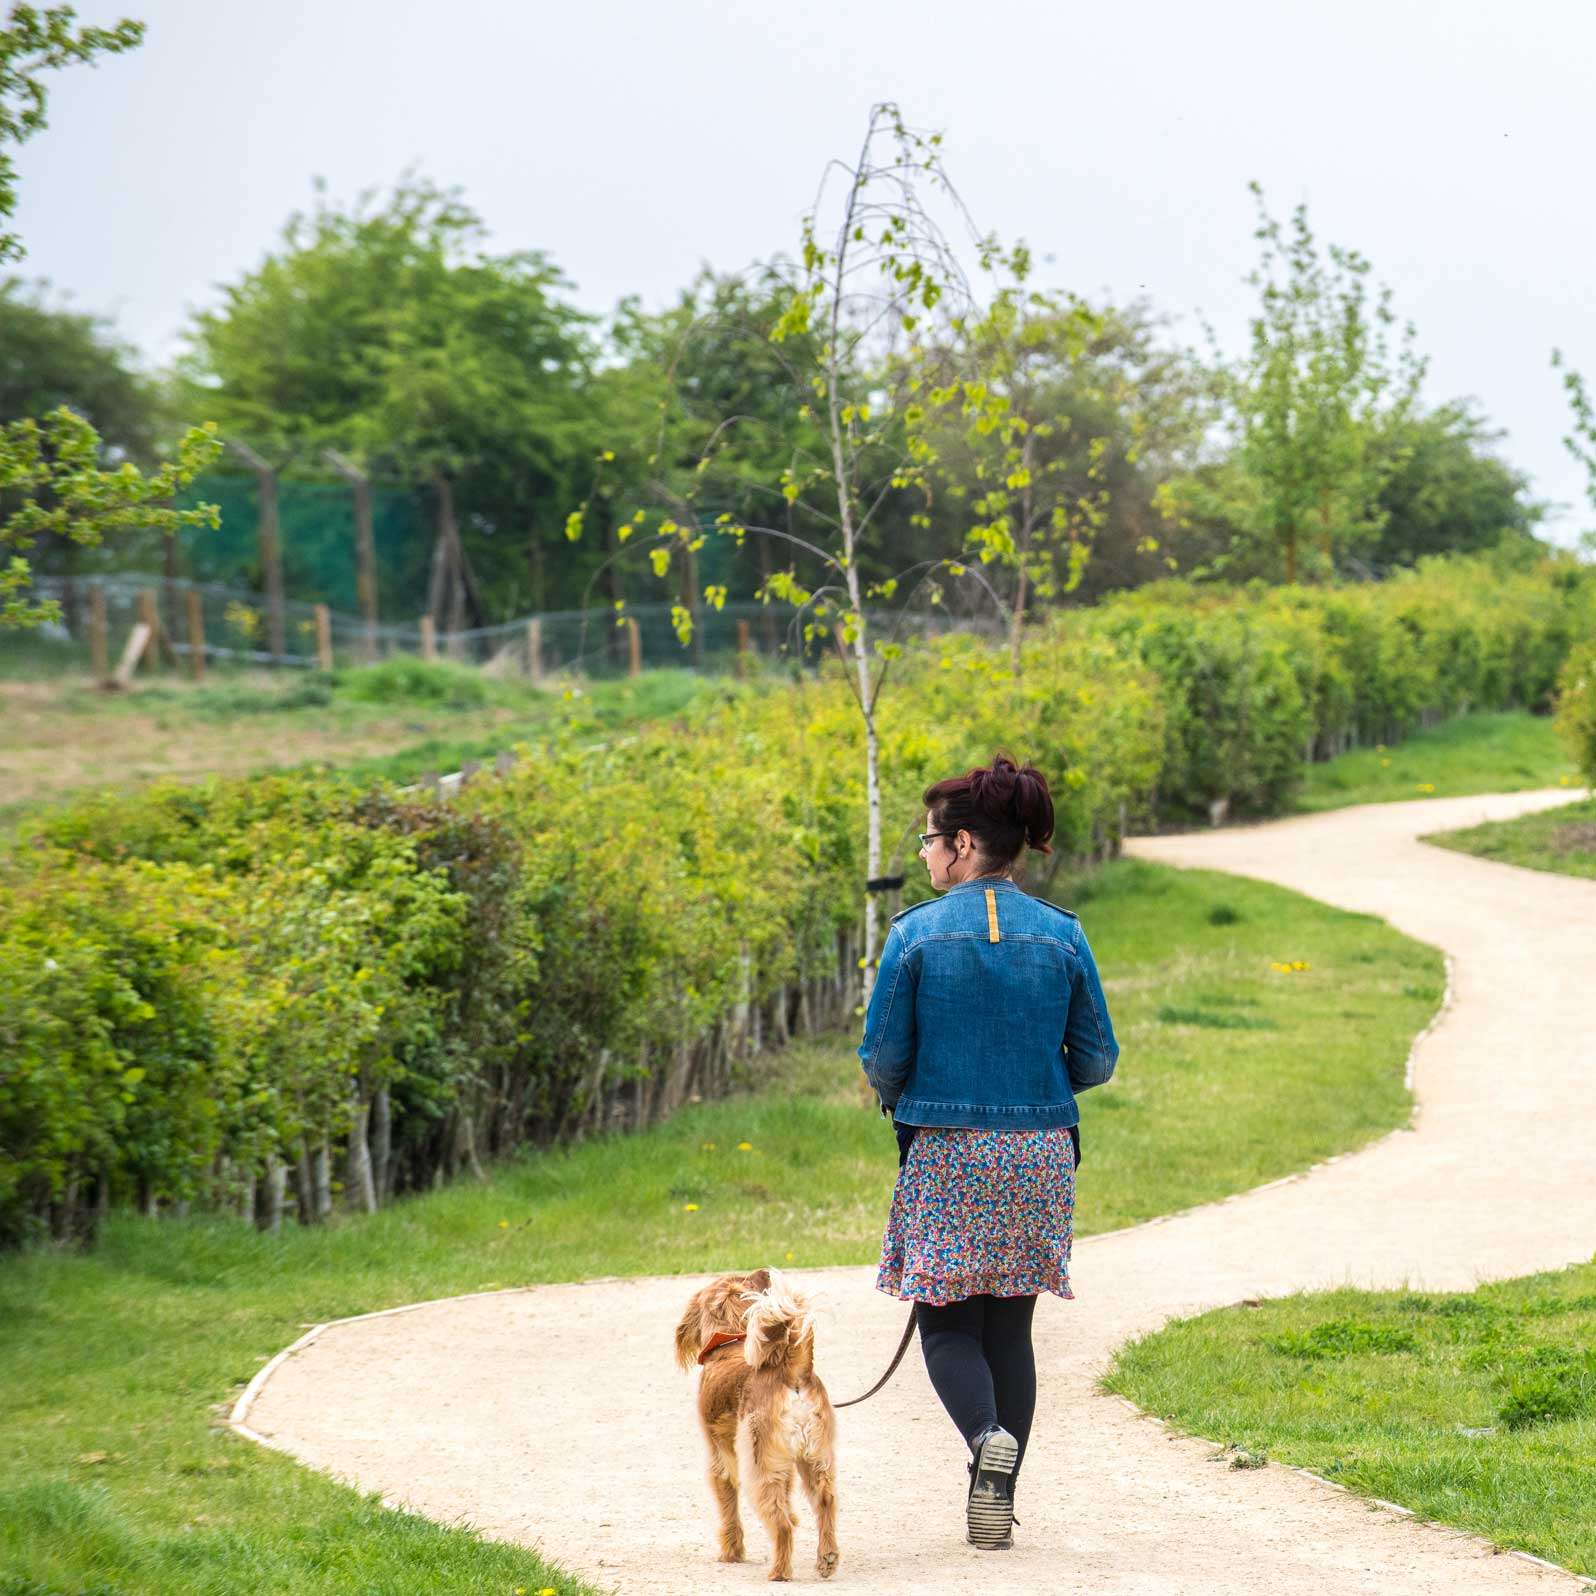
415, 681
1576, 708
1544, 1397
1224, 914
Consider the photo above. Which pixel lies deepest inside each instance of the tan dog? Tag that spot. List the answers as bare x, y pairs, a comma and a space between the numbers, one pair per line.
756, 1341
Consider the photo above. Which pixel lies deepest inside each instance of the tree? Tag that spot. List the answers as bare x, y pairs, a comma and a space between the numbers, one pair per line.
51, 356
1446, 492
1318, 385
697, 406
1580, 440
876, 285
53, 478
1027, 475
386, 331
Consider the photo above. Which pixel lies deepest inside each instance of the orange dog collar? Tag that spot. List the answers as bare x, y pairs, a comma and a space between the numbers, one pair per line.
720, 1339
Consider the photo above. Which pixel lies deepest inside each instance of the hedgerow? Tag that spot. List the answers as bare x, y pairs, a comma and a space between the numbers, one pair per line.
281, 994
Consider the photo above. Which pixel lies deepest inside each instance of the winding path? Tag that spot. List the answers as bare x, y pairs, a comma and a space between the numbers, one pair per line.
552, 1416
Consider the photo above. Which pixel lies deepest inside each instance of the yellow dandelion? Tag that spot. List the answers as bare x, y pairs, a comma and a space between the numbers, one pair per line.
1426, 786
1562, 781
789, 1257
1385, 761
691, 1208
707, 1147
504, 1224
548, 1590
745, 1147
1301, 964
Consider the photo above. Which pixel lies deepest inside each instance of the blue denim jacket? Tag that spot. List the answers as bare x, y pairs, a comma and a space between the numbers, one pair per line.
987, 1011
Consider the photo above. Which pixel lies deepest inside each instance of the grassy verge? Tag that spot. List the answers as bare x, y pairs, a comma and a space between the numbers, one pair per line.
395, 720
1476, 1409
1508, 752
116, 1479
1561, 840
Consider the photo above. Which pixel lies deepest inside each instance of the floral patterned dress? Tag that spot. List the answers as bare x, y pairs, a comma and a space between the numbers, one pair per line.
980, 1211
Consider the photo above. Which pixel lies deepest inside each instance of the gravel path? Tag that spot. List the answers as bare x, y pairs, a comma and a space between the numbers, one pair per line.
553, 1416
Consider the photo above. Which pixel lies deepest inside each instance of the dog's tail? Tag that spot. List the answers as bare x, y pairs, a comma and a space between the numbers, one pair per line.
780, 1325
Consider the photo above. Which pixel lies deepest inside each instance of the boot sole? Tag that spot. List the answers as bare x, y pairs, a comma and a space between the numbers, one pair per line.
989, 1514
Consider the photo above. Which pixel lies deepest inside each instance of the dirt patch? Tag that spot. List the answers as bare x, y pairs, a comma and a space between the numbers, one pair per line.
1580, 837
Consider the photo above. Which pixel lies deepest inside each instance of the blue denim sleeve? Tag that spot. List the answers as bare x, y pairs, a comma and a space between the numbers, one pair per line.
887, 1051
1088, 1032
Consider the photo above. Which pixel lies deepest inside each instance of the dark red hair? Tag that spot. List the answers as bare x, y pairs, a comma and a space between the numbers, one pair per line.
1005, 807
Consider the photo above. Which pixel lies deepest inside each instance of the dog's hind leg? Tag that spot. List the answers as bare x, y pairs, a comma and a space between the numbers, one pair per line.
723, 1482
773, 1500
819, 1477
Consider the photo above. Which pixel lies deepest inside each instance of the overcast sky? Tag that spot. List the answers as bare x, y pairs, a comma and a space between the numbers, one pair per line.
634, 140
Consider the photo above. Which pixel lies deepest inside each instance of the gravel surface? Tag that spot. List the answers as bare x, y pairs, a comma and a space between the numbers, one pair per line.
554, 1416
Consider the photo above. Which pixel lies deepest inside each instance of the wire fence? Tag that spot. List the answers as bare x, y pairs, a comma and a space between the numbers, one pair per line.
234, 626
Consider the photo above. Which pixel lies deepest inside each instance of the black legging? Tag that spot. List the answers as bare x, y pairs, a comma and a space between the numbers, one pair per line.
979, 1356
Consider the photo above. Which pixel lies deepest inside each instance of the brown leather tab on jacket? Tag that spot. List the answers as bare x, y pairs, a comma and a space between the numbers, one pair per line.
991, 916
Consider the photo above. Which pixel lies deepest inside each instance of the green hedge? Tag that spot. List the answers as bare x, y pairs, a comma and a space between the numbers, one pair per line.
1260, 680
284, 993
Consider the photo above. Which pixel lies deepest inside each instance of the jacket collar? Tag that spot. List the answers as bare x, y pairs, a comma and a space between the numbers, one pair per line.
983, 881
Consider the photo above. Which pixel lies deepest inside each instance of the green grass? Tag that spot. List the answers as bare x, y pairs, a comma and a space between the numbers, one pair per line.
397, 720
119, 1364
1561, 840
1476, 1409
1507, 752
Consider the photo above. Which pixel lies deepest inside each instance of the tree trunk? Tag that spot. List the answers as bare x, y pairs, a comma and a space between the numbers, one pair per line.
321, 1174
468, 1145
689, 602
269, 1197
380, 1141
362, 1190
304, 1186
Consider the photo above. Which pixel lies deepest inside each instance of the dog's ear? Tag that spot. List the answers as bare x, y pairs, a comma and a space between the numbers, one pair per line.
690, 1333
759, 1280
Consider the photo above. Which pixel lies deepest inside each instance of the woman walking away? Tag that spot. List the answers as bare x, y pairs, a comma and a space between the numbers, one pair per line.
986, 1019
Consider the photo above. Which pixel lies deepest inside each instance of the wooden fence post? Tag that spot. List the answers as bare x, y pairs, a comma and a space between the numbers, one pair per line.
634, 640
150, 616
271, 547
324, 653
429, 638
138, 641
196, 636
534, 651
743, 647
365, 546
99, 648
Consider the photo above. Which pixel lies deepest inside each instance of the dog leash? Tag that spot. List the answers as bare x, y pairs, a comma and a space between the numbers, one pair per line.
892, 1368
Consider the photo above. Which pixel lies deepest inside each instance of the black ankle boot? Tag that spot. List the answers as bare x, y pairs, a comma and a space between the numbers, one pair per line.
989, 1507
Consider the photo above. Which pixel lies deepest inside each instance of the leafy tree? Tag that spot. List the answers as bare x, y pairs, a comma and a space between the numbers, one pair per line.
1445, 491
1025, 504
1319, 384
51, 356
1580, 441
697, 403
387, 331
53, 478
876, 285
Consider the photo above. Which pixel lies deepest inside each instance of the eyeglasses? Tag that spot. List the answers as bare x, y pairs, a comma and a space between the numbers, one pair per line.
926, 836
